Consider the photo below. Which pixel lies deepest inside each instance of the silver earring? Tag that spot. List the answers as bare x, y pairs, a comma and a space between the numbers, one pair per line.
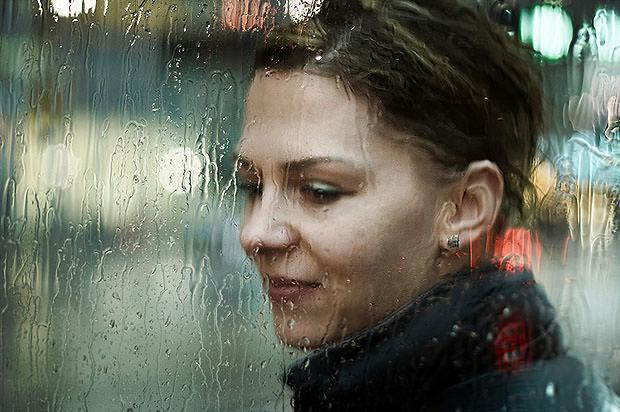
454, 242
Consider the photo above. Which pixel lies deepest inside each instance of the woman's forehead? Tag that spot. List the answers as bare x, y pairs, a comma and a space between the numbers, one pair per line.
303, 115
297, 94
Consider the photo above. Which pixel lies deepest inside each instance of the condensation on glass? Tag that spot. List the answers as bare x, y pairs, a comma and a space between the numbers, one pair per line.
123, 286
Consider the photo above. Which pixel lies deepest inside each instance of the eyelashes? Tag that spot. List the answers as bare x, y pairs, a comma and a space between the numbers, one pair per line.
250, 188
314, 191
320, 192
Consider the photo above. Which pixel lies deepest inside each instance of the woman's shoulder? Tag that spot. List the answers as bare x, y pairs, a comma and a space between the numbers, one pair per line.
560, 384
485, 337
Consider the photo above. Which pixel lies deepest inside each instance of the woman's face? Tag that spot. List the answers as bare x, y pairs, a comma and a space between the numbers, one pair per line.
340, 219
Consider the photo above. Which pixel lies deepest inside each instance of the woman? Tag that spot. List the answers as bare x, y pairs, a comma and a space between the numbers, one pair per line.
386, 141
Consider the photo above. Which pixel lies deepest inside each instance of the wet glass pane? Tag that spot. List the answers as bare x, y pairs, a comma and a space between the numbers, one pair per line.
124, 287
136, 138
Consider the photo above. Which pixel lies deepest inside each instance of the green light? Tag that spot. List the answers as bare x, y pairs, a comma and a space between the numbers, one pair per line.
548, 29
607, 27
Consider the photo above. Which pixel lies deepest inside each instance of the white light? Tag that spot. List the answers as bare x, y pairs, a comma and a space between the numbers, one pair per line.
550, 390
60, 166
69, 8
300, 10
607, 26
179, 170
548, 29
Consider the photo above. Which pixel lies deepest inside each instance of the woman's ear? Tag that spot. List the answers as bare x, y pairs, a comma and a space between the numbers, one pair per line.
476, 202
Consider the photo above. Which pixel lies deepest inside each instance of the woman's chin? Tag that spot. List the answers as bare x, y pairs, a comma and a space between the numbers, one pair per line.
303, 334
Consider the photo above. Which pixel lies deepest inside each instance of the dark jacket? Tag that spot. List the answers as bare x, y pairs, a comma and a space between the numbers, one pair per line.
484, 340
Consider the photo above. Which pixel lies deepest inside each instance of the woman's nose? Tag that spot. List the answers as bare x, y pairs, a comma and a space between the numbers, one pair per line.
267, 227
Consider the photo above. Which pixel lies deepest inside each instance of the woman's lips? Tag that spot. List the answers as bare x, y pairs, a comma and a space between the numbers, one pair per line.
290, 290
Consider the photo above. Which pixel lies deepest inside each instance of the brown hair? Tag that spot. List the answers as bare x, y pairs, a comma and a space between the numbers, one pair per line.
439, 70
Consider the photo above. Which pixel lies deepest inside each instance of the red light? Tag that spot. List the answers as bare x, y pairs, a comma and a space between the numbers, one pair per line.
247, 15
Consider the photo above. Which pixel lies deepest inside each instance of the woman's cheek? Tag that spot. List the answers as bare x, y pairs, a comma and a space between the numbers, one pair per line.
347, 255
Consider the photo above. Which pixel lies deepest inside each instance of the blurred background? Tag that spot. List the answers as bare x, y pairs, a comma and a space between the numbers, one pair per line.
122, 284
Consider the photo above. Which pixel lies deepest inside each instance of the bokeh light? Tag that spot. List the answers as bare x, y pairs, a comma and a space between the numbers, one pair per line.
60, 167
548, 29
69, 8
299, 10
180, 170
607, 26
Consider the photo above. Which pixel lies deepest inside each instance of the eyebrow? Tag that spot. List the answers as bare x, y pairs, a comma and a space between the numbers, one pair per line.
303, 162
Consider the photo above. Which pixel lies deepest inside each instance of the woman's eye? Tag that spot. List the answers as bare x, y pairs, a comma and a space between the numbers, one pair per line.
321, 193
250, 188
